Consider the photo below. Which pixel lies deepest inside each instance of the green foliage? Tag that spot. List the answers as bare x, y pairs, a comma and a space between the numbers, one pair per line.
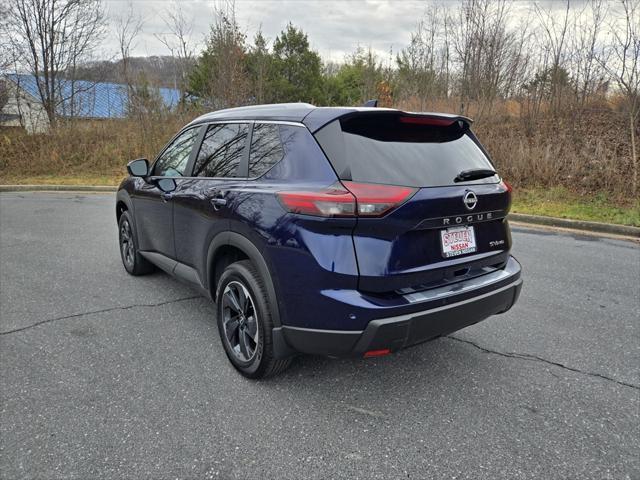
355, 81
418, 73
544, 81
297, 73
260, 69
220, 74
199, 76
144, 100
290, 72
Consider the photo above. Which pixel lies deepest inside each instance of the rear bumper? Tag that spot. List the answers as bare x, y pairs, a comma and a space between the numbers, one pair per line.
493, 295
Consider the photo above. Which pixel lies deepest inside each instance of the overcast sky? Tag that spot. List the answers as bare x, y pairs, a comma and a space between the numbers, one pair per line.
335, 28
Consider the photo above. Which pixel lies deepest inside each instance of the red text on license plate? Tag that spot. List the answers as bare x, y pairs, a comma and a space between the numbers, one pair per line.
458, 241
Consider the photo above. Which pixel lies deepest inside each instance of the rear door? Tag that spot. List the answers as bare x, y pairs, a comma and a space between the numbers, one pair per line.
449, 228
203, 202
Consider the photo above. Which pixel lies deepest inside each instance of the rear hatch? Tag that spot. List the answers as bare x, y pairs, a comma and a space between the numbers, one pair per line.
449, 224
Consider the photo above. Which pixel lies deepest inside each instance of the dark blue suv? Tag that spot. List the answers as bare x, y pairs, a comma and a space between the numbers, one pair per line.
331, 231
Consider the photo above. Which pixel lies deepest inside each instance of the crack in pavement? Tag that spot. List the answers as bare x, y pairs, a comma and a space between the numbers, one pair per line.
521, 356
534, 358
111, 309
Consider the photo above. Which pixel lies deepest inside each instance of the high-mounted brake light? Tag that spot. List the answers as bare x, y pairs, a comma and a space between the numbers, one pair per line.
347, 199
436, 122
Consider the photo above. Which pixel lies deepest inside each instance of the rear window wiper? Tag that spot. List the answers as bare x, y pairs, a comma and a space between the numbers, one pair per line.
475, 174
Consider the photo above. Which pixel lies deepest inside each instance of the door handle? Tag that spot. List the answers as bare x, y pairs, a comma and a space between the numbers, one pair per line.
218, 202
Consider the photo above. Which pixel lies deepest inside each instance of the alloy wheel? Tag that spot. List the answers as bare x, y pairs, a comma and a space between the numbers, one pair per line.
126, 243
240, 321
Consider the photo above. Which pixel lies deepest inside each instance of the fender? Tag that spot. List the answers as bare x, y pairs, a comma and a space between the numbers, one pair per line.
245, 245
124, 197
281, 348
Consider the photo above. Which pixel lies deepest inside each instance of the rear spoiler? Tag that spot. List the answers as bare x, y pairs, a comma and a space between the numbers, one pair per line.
320, 117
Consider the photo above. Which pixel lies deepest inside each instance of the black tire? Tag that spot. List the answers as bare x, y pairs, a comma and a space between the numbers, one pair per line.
250, 353
133, 262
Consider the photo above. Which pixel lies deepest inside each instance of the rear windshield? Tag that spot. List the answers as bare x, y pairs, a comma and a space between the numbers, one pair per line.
391, 149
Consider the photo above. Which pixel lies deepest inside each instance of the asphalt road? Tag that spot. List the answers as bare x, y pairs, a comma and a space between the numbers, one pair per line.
103, 375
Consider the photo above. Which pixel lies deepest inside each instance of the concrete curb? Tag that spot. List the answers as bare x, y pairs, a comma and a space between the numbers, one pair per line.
607, 228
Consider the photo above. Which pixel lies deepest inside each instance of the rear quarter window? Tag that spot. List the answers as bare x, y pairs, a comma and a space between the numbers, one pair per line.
381, 148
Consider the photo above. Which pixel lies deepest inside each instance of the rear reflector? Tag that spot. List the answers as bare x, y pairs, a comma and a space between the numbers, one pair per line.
347, 199
377, 353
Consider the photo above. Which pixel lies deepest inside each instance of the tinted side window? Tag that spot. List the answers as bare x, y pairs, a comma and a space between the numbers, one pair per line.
221, 150
266, 148
173, 161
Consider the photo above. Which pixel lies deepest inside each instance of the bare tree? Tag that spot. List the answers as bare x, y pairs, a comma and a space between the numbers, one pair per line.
221, 75
423, 65
5, 58
555, 29
588, 76
4, 94
621, 60
5, 42
51, 37
178, 40
487, 53
259, 65
128, 26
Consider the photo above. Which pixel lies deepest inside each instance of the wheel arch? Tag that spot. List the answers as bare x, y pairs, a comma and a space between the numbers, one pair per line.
123, 202
233, 246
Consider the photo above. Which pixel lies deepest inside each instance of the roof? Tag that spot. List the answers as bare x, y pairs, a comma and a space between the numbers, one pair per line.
91, 99
292, 112
313, 117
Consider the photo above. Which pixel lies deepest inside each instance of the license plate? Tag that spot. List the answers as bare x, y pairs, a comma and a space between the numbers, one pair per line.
458, 241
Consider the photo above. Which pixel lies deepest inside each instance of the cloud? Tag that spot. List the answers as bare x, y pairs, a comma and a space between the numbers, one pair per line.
335, 28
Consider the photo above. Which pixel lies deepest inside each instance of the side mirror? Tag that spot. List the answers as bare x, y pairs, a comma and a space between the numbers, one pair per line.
167, 185
138, 168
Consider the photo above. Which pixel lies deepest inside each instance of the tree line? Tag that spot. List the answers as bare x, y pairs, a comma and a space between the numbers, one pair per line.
472, 52
475, 57
567, 63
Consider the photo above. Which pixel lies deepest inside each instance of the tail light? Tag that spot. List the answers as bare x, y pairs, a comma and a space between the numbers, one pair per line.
347, 199
507, 186
335, 201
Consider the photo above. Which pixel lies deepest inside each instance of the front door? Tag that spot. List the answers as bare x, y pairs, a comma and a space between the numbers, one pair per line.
153, 205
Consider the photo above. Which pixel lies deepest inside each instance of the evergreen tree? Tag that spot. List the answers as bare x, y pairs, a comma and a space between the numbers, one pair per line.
259, 66
220, 75
297, 74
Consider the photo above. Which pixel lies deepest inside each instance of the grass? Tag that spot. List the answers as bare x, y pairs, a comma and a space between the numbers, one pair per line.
561, 203
62, 180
